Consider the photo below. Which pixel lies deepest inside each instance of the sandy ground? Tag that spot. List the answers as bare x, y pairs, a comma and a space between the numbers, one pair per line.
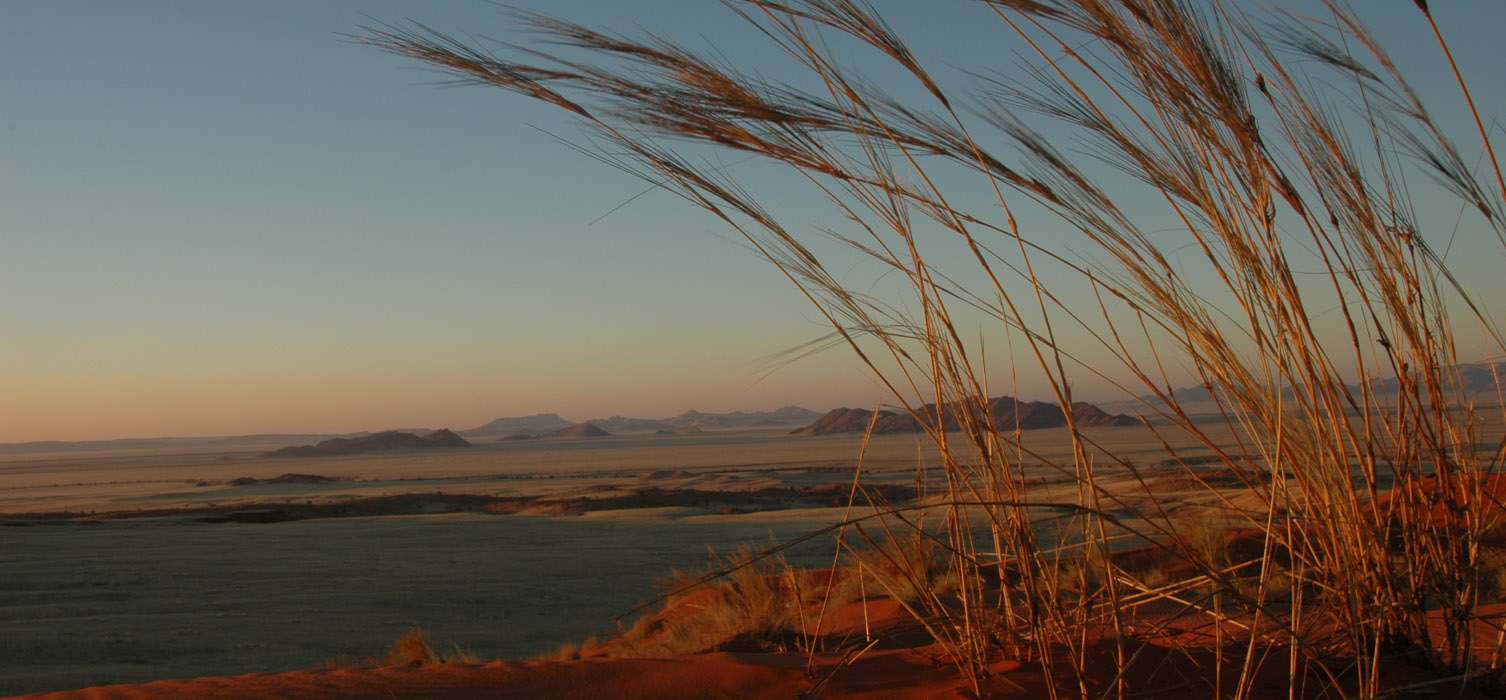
699, 484
883, 671
133, 479
720, 675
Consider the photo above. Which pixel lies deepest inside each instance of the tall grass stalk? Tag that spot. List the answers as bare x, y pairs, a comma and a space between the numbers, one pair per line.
1310, 279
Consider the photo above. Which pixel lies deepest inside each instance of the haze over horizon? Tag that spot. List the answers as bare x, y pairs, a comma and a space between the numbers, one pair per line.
226, 220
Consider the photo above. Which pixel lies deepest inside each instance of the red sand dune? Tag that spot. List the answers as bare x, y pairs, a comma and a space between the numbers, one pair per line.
902, 674
913, 670
891, 674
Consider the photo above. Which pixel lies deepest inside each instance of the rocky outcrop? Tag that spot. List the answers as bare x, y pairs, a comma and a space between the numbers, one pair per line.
579, 430
1006, 413
376, 442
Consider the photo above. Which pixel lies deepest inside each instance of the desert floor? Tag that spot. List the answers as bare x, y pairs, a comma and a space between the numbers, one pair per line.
122, 566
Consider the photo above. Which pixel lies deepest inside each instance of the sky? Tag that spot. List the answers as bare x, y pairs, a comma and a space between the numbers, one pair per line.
223, 218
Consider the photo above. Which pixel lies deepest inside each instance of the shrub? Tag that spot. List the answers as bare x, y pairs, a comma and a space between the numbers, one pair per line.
411, 649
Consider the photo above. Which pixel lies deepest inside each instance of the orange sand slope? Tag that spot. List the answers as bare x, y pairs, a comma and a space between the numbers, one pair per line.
899, 665
900, 674
887, 674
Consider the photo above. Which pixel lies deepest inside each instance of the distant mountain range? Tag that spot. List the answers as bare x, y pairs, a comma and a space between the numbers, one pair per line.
376, 442
1475, 378
532, 425
578, 430
624, 424
1477, 381
1007, 413
158, 443
682, 430
542, 423
734, 420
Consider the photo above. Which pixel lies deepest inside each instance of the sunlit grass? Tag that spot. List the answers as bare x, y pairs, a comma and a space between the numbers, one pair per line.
1310, 277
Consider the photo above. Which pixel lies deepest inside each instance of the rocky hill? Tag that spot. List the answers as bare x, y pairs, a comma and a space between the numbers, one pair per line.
788, 415
534, 425
542, 424
376, 442
1477, 382
1007, 413
732, 420
628, 424
579, 430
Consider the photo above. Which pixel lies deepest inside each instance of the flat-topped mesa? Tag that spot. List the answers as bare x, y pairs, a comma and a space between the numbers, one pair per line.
1007, 414
375, 442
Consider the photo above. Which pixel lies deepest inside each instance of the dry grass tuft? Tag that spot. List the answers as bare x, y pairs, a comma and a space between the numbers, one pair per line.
569, 651
411, 649
758, 606
414, 649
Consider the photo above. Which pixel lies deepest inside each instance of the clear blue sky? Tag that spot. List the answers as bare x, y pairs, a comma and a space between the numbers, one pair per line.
219, 217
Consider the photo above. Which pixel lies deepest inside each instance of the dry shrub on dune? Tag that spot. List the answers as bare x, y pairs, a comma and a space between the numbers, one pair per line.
1312, 273
757, 604
411, 649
